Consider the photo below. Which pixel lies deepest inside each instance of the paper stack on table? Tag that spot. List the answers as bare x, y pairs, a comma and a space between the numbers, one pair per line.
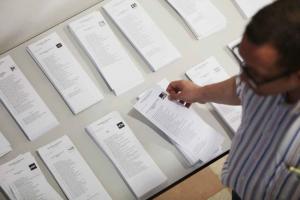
65, 73
201, 16
209, 72
142, 32
5, 146
71, 171
106, 52
116, 139
22, 179
194, 138
23, 102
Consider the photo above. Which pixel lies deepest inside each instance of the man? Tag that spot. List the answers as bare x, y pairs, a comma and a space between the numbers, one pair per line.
265, 152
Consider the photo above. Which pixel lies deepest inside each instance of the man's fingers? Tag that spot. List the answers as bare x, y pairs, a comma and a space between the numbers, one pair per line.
174, 95
174, 86
182, 102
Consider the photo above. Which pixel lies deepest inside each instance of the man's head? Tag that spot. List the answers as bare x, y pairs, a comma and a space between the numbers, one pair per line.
271, 48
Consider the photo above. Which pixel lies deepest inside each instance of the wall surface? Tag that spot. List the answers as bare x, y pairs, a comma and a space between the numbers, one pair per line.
22, 20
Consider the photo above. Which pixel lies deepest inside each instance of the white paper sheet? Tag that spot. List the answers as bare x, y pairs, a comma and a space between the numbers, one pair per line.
65, 73
145, 36
71, 171
22, 179
106, 52
163, 84
5, 146
116, 139
250, 7
22, 101
201, 16
209, 72
181, 125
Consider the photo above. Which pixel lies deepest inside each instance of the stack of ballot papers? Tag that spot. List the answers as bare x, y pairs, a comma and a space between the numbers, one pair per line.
65, 73
22, 179
71, 171
106, 52
116, 139
234, 49
201, 16
209, 72
5, 146
22, 101
250, 7
144, 35
193, 137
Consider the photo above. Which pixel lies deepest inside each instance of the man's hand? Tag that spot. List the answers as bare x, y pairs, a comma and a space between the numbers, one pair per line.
185, 91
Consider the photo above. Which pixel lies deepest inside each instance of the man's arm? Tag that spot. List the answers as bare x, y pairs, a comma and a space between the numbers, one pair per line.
223, 92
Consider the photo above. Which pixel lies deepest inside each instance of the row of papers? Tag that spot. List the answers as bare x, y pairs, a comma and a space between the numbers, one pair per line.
197, 141
21, 177
101, 45
185, 129
30, 111
192, 136
70, 79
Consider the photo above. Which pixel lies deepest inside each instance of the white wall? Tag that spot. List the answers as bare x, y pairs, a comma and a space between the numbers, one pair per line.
22, 19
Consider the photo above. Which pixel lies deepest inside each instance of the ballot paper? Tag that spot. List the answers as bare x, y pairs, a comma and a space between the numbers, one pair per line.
106, 52
209, 72
5, 146
22, 101
183, 127
116, 139
234, 49
201, 16
163, 84
71, 171
145, 36
22, 179
65, 73
250, 7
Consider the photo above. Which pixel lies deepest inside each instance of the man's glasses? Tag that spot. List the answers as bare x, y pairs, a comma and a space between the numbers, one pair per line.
254, 81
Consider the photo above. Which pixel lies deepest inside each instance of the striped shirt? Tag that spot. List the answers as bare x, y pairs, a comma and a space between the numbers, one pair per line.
266, 143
